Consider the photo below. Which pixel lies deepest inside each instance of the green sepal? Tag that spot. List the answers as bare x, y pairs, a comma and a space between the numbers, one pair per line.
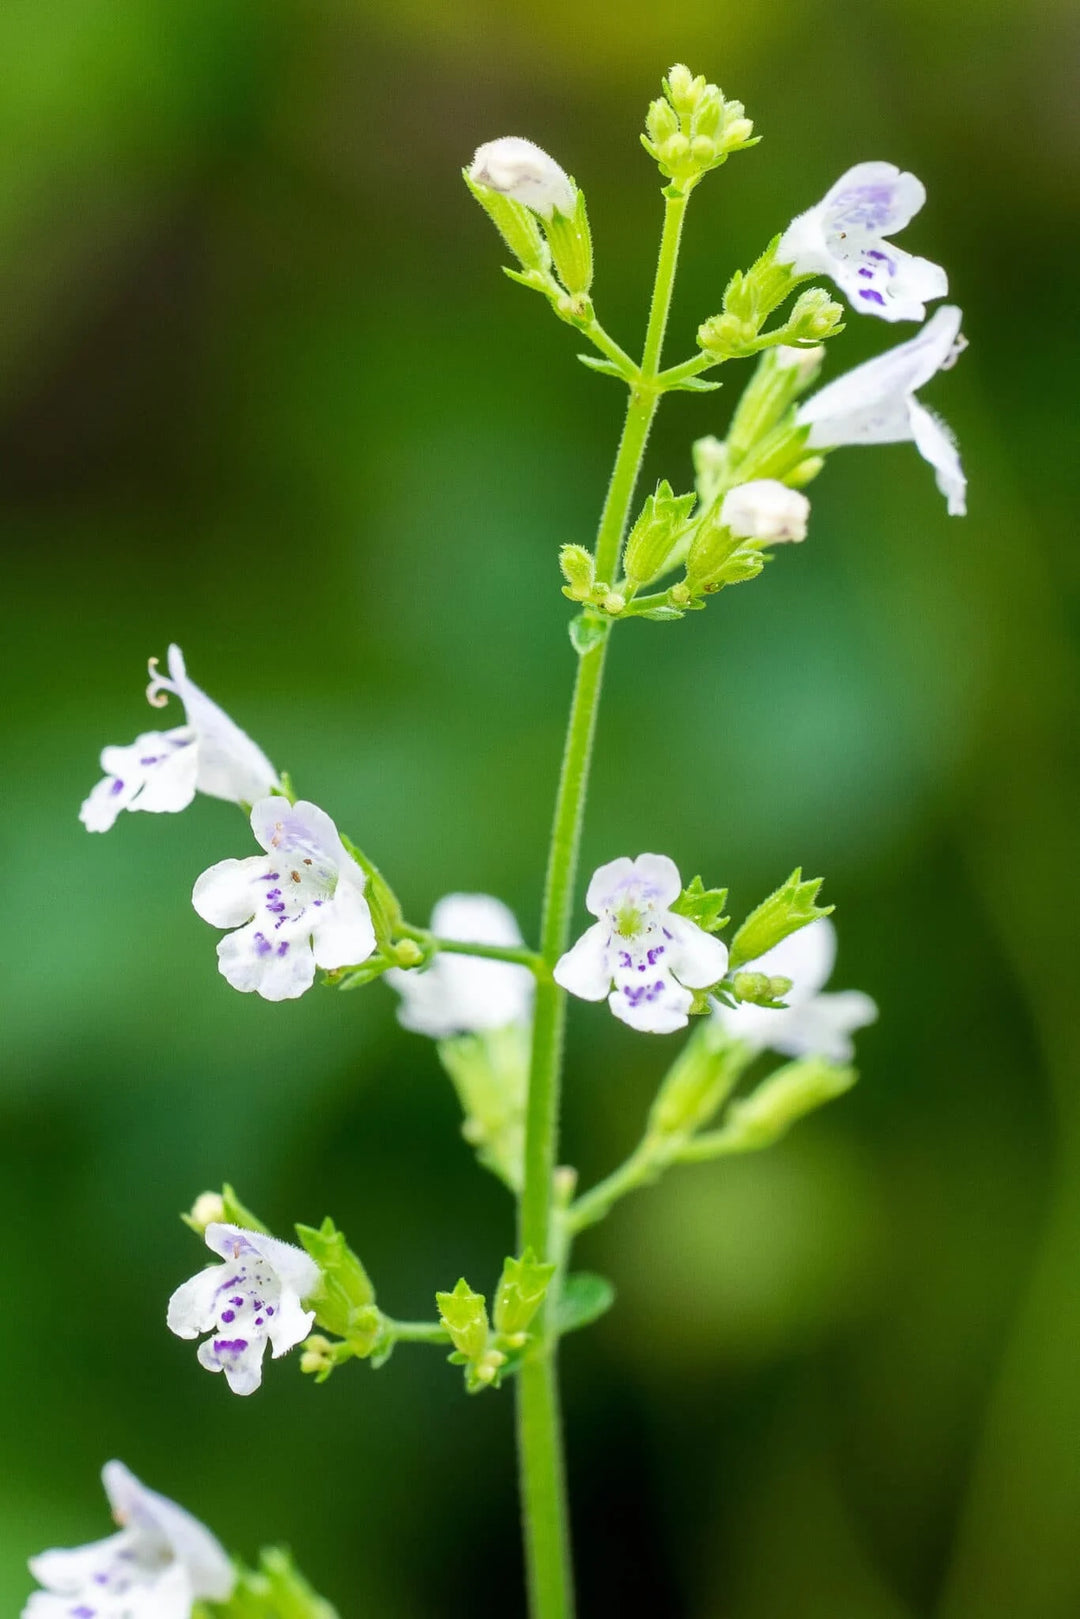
692, 385
345, 1303
704, 906
588, 631
570, 241
357, 977
790, 907
584, 1298
383, 903
607, 368
663, 615
699, 1081
464, 1315
790, 1093
520, 1293
516, 224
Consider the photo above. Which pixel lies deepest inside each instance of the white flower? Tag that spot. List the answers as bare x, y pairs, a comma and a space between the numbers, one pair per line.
812, 1024
641, 946
466, 994
163, 770
765, 510
519, 169
250, 1301
297, 907
160, 1564
876, 404
843, 237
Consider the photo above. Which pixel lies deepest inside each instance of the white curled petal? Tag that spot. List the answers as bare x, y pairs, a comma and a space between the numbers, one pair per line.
585, 970
342, 935
169, 1596
475, 919
280, 969
242, 1367
46, 1605
935, 443
806, 956
803, 243
68, 1572
197, 1551
294, 1268
661, 875
756, 1026
289, 1327
698, 959
871, 404
823, 1026
225, 895
520, 169
192, 1309
606, 882
281, 826
663, 1013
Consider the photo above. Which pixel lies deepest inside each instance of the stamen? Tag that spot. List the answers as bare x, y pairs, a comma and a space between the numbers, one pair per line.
157, 693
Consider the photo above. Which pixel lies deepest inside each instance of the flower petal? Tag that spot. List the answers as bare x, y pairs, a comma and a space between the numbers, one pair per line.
279, 969
658, 1007
193, 1307
871, 404
294, 1268
290, 1326
227, 895
823, 1026
239, 1358
935, 444
67, 1572
875, 197
698, 959
343, 935
585, 970
230, 764
209, 1571
661, 876
279, 825
475, 919
606, 882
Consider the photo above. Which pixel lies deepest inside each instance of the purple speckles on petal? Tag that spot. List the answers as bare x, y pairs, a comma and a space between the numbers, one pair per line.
625, 959
263, 946
655, 953
117, 786
228, 1317
230, 1346
83, 1612
871, 296
269, 1309
238, 1301
258, 1321
283, 947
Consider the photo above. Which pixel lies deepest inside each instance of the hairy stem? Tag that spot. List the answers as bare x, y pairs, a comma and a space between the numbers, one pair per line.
543, 1488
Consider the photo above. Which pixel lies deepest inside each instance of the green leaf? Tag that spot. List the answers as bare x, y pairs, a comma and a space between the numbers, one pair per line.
692, 385
585, 1298
702, 905
588, 631
665, 615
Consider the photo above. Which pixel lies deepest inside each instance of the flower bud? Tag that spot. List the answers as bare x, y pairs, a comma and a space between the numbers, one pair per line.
791, 907
701, 1078
815, 316
318, 1358
464, 1316
684, 90
710, 550
759, 988
726, 336
786, 1096
207, 1209
579, 571
521, 170
656, 533
805, 472
661, 121
765, 510
520, 1293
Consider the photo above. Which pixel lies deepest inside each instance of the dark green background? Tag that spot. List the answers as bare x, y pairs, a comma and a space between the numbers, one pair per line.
265, 392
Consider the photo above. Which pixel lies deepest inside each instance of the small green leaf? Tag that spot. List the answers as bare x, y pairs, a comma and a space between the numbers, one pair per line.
664, 615
588, 631
607, 368
585, 1298
702, 905
692, 385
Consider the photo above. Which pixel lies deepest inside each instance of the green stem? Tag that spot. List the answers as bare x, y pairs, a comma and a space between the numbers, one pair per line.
418, 1332
640, 1169
493, 952
543, 1486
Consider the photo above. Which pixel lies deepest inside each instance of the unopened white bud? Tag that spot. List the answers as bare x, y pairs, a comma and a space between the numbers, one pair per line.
806, 363
765, 510
207, 1209
522, 170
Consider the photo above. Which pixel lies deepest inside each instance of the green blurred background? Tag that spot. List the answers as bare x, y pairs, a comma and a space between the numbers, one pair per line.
264, 391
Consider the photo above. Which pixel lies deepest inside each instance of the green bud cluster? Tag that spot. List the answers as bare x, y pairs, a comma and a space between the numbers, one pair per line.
760, 989
692, 128
749, 299
485, 1351
658, 530
791, 907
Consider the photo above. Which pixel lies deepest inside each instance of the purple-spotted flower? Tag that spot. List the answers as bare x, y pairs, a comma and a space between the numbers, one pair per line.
876, 404
158, 1566
812, 1024
844, 237
466, 994
641, 954
162, 771
299, 906
253, 1299
523, 171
